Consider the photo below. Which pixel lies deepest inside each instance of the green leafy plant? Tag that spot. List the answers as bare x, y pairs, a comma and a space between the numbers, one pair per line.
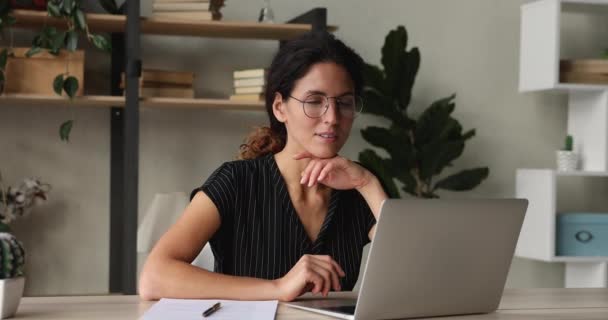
419, 149
569, 143
54, 40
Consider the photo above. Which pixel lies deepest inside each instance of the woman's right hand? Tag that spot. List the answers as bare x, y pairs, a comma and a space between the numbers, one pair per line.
315, 273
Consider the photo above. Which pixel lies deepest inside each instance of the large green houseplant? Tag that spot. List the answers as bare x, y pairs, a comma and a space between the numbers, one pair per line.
419, 149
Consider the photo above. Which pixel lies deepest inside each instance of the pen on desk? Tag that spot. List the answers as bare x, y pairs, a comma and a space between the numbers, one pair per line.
211, 310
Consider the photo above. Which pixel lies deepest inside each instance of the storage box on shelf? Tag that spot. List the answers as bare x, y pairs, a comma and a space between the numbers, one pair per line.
35, 75
537, 239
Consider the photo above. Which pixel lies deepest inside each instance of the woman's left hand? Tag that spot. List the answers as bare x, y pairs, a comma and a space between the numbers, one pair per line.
337, 172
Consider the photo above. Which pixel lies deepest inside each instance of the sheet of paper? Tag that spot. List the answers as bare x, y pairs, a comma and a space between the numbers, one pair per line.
186, 309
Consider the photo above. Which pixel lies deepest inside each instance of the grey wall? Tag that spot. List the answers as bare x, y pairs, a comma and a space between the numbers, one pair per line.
469, 47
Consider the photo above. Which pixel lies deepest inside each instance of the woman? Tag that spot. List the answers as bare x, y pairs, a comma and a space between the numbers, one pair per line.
292, 216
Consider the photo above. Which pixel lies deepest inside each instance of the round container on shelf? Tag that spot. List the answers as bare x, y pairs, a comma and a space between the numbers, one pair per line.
567, 160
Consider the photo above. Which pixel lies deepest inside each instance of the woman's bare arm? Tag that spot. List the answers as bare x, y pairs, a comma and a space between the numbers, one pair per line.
168, 273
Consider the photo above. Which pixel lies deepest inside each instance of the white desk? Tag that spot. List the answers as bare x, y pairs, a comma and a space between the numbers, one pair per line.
537, 304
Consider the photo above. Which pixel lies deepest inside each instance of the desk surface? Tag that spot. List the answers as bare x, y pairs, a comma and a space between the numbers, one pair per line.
554, 304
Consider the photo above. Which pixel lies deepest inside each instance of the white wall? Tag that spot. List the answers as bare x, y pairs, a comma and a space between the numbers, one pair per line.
469, 47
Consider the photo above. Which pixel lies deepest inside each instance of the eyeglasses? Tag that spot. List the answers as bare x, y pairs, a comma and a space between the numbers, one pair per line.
316, 105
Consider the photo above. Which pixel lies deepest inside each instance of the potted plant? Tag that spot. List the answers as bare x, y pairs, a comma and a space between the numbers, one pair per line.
567, 159
56, 40
14, 203
419, 149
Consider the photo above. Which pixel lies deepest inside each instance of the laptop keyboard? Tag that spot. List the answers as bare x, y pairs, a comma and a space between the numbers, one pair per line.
341, 309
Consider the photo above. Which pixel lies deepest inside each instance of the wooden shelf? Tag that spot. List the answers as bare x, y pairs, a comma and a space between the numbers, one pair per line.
224, 104
115, 101
579, 259
157, 26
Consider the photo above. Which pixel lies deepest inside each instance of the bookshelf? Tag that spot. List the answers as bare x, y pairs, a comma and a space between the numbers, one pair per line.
125, 32
545, 40
171, 27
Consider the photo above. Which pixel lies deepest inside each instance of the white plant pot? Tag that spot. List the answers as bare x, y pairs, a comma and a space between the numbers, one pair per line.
567, 160
11, 291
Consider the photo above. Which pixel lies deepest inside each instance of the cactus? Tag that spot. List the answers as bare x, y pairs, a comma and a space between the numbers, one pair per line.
12, 255
569, 143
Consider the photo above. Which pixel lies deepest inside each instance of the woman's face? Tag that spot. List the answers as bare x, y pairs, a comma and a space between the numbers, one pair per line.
323, 136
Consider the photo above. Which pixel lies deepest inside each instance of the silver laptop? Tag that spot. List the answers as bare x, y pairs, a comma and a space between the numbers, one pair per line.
432, 258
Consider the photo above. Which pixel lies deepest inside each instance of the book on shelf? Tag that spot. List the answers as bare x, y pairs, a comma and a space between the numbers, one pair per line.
148, 84
184, 78
249, 82
166, 92
258, 89
188, 15
180, 6
584, 66
249, 73
254, 97
583, 77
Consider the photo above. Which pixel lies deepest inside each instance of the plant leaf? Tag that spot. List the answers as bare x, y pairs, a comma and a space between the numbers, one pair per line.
380, 168
434, 157
58, 84
394, 44
33, 51
433, 120
110, 6
101, 43
65, 129
464, 180
3, 58
80, 20
68, 6
72, 40
395, 141
58, 42
374, 78
400, 66
53, 9
70, 86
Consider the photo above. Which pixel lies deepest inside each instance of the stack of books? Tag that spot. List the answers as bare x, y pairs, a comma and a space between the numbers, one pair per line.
196, 10
589, 71
249, 85
167, 84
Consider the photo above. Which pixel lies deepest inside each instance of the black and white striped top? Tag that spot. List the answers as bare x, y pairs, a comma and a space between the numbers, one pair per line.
261, 234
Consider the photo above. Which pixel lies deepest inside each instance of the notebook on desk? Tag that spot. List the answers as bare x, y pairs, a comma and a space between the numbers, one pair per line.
192, 309
432, 258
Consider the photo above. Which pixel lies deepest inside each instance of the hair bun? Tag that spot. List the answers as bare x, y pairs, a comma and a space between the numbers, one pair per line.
260, 142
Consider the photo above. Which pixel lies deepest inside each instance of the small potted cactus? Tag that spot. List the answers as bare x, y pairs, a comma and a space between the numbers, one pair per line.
14, 202
567, 159
12, 282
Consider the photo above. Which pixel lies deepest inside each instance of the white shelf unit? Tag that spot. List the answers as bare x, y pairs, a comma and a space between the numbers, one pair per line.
537, 237
543, 44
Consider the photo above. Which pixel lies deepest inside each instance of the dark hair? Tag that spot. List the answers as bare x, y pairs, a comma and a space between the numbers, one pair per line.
291, 63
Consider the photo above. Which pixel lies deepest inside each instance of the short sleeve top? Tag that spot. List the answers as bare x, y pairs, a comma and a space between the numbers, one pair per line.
261, 234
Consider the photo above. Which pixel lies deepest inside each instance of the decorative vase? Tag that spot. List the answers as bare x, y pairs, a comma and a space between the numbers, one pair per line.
567, 160
11, 291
